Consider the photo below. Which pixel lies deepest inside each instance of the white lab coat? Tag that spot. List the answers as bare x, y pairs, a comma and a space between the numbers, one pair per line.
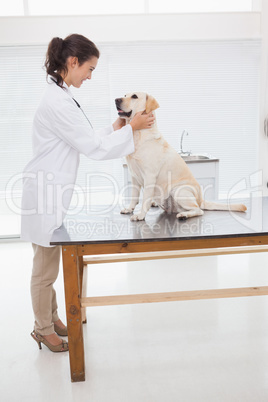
60, 134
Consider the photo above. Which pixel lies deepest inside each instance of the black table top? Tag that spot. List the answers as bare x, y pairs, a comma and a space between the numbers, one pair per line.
105, 224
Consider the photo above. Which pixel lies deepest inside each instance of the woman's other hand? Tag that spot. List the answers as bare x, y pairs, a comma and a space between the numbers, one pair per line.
119, 123
142, 121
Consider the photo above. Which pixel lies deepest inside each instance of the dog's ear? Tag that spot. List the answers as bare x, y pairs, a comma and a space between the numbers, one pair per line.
151, 104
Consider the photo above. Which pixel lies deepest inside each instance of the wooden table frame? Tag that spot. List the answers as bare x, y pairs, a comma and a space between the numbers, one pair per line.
76, 256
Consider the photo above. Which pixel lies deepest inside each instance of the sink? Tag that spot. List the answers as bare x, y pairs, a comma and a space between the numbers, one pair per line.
194, 157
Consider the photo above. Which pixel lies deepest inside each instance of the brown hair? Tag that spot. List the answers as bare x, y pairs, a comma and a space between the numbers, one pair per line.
60, 49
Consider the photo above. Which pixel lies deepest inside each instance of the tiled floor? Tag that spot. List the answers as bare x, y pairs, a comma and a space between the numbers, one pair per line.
195, 351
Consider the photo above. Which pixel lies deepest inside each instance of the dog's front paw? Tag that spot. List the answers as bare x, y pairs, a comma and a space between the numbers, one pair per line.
182, 216
127, 211
139, 217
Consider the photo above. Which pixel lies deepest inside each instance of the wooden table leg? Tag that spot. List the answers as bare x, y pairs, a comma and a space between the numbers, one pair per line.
84, 293
73, 312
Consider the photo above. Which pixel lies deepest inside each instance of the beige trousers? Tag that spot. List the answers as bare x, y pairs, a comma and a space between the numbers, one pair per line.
46, 262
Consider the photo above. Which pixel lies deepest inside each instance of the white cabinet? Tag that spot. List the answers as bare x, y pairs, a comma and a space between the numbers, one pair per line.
206, 172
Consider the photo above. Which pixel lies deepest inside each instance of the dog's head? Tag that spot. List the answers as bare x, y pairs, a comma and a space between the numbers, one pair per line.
135, 102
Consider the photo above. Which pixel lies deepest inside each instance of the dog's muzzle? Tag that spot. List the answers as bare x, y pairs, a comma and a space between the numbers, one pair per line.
118, 103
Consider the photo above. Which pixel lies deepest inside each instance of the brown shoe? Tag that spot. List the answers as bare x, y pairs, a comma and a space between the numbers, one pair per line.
60, 331
62, 347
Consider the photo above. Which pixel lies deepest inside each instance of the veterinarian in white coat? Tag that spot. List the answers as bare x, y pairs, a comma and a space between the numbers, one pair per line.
60, 133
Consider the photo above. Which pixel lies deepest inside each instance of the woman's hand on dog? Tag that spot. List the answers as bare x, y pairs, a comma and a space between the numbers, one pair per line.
142, 121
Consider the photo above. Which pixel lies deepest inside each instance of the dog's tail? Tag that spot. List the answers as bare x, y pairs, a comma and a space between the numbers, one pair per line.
216, 206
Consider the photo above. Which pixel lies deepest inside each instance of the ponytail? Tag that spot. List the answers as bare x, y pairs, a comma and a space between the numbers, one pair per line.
54, 61
59, 50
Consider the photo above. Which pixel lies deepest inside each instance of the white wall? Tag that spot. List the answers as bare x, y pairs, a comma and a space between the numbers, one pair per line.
217, 26
263, 141
39, 30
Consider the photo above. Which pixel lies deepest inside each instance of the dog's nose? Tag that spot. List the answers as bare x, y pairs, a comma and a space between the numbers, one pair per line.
118, 102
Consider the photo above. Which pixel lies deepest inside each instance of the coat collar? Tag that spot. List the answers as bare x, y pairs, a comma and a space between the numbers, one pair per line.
64, 85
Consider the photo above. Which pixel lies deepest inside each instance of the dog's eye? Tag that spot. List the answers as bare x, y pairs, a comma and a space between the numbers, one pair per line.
134, 96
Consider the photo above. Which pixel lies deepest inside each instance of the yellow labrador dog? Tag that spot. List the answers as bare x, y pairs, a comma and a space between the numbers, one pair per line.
158, 168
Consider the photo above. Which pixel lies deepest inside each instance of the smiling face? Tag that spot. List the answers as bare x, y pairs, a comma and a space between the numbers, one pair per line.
133, 103
78, 73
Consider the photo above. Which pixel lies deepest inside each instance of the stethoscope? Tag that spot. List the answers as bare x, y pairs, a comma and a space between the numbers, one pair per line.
77, 104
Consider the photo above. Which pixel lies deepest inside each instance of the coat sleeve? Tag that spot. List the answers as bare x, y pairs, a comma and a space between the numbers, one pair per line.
105, 131
69, 125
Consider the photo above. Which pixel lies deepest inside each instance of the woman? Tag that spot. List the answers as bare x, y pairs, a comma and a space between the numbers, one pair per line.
60, 134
